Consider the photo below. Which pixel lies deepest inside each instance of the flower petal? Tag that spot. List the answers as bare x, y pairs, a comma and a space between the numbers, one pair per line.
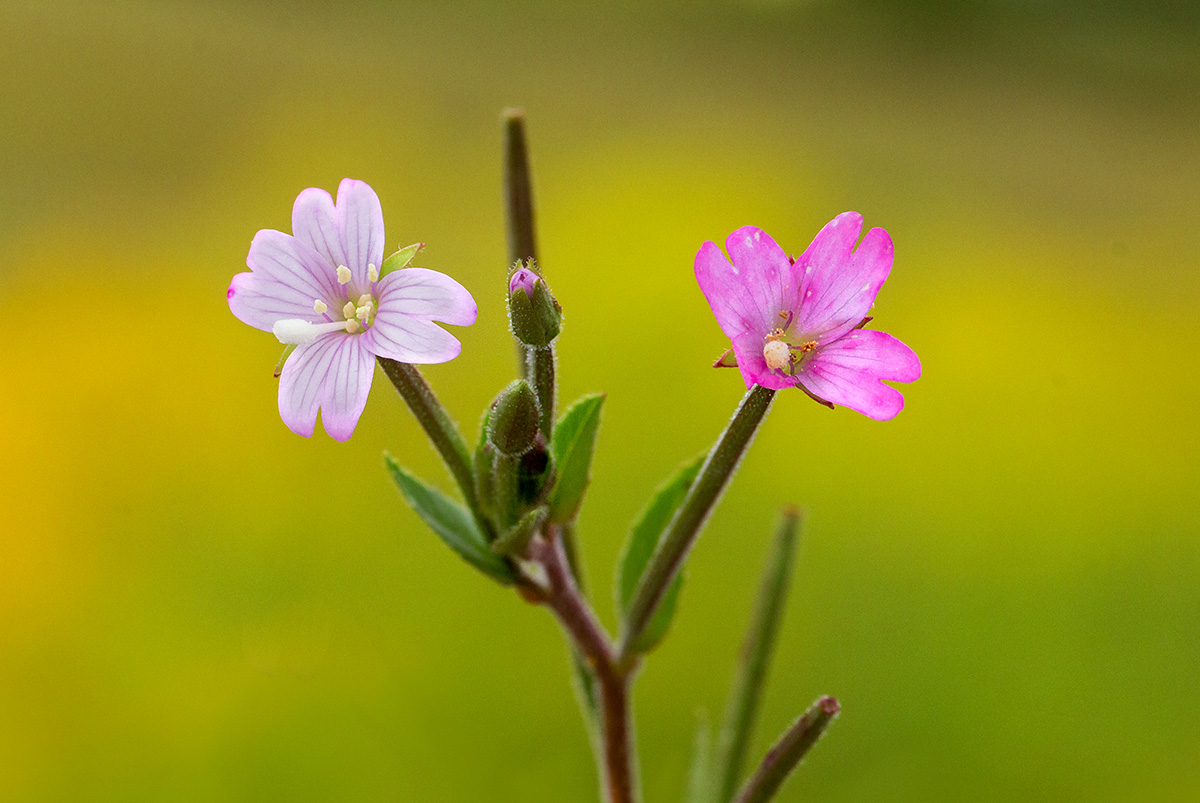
748, 348
722, 290
332, 373
838, 285
287, 277
313, 223
409, 301
359, 220
848, 372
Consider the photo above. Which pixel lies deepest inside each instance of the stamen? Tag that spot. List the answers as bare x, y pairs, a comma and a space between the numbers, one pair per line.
343, 274
320, 307
365, 298
348, 310
372, 273
352, 326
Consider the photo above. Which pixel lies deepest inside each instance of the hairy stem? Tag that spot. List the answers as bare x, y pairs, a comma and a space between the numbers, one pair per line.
682, 531
541, 376
616, 759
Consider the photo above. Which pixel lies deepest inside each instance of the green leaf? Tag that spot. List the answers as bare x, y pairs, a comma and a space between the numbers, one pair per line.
514, 540
643, 539
700, 787
574, 440
451, 522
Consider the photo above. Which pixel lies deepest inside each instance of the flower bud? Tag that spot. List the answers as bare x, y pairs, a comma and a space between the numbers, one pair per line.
513, 423
533, 313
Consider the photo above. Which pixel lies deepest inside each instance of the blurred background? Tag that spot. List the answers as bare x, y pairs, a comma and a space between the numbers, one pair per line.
1002, 585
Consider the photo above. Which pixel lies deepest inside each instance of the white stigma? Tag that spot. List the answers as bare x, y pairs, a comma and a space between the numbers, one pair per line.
777, 355
320, 307
343, 274
372, 273
297, 331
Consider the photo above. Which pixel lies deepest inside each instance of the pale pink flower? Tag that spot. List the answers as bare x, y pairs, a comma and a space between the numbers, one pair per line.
320, 289
799, 324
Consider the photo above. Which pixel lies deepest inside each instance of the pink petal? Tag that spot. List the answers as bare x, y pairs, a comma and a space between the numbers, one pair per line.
333, 373
313, 223
287, 277
848, 372
722, 290
748, 348
359, 220
749, 294
766, 272
838, 285
409, 301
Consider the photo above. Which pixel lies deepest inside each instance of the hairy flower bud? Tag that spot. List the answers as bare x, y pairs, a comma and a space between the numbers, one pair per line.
513, 423
534, 314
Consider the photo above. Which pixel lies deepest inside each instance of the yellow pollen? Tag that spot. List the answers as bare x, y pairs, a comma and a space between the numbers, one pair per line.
348, 310
365, 298
777, 355
372, 273
352, 326
343, 274
320, 307
807, 346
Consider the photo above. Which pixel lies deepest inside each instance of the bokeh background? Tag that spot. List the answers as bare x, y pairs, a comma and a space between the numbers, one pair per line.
1002, 585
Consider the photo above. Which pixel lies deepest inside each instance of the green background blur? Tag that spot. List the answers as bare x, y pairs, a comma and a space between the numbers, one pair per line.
1002, 585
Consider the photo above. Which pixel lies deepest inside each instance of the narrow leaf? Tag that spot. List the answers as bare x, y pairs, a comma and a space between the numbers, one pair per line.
451, 522
574, 440
786, 754
643, 539
514, 540
757, 649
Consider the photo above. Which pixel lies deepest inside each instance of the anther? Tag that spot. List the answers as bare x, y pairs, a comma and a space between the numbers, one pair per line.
372, 273
320, 307
348, 310
343, 274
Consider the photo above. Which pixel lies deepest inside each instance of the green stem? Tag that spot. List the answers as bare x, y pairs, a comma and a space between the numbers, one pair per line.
434, 419
541, 374
683, 529
786, 753
750, 679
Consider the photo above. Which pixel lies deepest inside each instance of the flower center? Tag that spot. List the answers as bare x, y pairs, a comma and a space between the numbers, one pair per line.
355, 316
786, 351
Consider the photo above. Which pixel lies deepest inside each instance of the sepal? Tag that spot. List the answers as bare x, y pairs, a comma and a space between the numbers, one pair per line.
401, 259
726, 360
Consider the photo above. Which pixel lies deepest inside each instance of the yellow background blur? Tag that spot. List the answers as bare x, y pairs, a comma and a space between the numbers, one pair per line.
1002, 585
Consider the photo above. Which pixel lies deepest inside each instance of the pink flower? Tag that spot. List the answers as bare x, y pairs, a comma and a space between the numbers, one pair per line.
799, 324
321, 290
